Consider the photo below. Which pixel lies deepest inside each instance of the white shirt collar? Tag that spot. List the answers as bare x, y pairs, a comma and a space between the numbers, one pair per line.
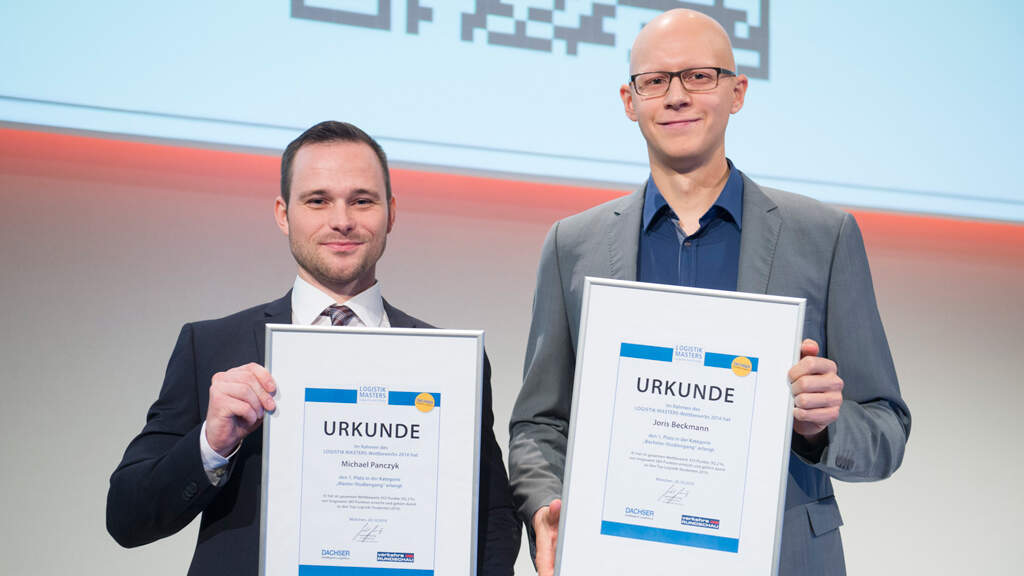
308, 302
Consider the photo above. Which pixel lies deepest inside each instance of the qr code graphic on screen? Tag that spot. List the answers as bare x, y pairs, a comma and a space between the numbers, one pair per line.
556, 26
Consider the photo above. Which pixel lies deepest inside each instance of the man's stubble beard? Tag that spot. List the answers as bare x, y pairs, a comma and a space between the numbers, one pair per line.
318, 266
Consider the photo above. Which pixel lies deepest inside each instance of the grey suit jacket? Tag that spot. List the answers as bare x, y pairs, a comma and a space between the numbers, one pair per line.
790, 245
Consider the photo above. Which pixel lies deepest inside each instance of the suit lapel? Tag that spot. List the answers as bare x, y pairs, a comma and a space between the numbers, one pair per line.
623, 235
399, 319
277, 312
758, 239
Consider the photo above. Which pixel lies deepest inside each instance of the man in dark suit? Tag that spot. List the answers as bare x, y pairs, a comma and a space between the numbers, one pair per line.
200, 450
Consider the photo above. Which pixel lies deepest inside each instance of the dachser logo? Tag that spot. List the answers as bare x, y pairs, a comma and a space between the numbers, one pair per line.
396, 557
641, 513
334, 554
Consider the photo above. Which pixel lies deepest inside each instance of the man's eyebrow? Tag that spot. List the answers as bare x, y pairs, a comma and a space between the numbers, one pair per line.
366, 192
312, 193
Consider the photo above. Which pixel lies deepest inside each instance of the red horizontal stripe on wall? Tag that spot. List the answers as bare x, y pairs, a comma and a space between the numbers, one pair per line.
145, 164
960, 238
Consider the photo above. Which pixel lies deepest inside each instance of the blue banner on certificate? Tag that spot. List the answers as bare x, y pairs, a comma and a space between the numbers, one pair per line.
369, 464
681, 427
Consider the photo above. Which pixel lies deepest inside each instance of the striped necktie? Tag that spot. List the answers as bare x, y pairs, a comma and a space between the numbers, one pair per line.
339, 315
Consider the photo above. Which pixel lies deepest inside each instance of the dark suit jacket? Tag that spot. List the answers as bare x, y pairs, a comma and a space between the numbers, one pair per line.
160, 485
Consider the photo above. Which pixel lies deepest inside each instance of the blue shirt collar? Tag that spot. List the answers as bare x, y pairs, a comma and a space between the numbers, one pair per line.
729, 199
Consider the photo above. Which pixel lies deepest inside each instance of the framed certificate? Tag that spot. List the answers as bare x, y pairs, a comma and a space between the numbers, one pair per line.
680, 433
371, 458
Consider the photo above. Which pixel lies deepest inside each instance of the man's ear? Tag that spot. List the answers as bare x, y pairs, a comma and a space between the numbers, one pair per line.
392, 207
626, 93
281, 214
739, 93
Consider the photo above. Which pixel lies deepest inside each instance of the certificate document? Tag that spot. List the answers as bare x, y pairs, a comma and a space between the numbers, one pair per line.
680, 430
369, 464
680, 437
367, 423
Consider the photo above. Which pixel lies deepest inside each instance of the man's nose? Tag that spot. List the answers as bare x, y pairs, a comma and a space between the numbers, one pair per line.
340, 218
677, 95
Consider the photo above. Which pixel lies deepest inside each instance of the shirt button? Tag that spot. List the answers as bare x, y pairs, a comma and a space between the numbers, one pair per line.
687, 243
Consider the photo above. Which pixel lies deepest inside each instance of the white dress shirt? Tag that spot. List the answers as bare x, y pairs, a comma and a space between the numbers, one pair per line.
308, 304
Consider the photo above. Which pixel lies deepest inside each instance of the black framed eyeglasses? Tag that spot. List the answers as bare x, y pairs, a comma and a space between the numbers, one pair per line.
703, 79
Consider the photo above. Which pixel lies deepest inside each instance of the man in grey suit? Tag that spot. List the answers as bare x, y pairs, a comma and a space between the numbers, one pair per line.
699, 222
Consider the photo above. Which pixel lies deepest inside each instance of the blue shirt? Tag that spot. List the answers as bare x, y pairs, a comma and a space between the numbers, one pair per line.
709, 258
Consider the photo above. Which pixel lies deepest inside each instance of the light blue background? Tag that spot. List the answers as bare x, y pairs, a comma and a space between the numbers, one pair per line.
909, 106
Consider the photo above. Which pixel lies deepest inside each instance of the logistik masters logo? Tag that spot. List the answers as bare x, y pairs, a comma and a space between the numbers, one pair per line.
689, 353
373, 394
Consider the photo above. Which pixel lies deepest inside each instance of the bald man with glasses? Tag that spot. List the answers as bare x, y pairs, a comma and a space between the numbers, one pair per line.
698, 221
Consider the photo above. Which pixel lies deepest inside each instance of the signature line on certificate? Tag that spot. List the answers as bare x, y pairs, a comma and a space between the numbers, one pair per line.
368, 533
675, 494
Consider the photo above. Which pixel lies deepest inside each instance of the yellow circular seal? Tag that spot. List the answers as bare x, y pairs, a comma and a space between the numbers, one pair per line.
741, 366
424, 402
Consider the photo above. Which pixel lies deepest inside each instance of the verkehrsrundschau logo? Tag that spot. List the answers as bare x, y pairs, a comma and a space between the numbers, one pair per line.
699, 522
396, 557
